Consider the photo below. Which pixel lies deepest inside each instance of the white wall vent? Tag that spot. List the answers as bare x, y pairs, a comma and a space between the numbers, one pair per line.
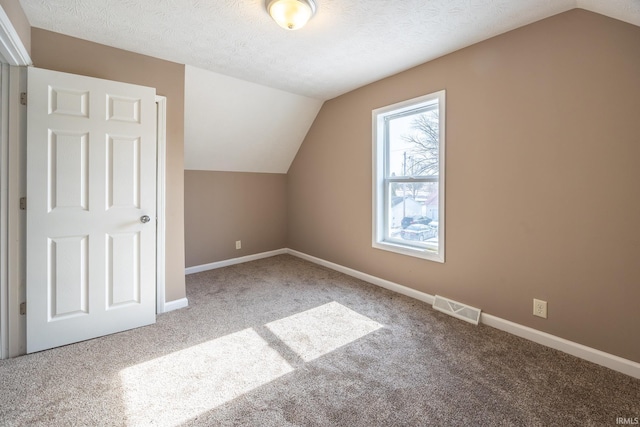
456, 309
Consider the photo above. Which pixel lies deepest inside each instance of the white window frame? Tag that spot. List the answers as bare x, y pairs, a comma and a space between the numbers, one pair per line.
381, 181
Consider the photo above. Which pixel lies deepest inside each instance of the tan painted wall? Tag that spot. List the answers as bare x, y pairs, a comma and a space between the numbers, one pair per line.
67, 54
222, 207
19, 20
543, 175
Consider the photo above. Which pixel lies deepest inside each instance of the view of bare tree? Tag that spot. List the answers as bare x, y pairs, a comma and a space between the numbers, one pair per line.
425, 142
422, 158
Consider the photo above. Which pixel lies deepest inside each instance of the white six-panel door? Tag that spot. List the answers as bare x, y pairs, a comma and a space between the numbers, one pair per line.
91, 182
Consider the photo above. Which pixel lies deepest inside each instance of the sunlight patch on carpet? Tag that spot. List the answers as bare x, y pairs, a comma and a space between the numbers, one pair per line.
321, 330
204, 376
215, 372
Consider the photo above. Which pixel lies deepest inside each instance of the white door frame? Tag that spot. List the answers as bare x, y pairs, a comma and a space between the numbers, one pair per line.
17, 219
12, 52
161, 168
4, 210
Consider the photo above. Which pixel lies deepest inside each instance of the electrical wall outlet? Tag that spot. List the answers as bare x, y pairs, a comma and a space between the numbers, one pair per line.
238, 244
539, 308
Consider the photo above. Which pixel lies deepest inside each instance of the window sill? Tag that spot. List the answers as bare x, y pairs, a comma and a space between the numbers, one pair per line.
410, 251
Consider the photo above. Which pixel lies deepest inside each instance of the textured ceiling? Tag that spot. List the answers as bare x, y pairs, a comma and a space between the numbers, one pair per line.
346, 45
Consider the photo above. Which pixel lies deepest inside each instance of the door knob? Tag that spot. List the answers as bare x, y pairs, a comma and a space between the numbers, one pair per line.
145, 219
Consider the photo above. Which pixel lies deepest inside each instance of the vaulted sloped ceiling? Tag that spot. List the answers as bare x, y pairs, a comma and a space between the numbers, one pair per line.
234, 125
240, 61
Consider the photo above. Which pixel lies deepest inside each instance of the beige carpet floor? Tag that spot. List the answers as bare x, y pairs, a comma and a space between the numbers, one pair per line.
283, 342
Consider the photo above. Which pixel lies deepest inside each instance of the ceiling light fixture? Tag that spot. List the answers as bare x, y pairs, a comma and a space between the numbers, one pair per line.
291, 14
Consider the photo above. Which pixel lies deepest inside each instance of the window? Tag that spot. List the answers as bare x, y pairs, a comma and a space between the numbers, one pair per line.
408, 177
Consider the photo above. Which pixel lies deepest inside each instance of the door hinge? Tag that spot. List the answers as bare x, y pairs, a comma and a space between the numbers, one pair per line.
23, 98
23, 308
23, 203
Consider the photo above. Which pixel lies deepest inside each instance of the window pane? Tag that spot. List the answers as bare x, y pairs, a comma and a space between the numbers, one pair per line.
414, 143
413, 214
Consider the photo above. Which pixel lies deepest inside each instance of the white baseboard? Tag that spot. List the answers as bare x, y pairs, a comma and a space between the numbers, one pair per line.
233, 261
366, 277
175, 305
610, 361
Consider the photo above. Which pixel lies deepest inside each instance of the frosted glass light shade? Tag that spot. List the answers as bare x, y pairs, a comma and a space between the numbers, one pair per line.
291, 14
